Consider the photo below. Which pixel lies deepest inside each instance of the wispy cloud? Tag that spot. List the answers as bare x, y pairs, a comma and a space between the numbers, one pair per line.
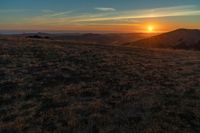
105, 9
109, 16
189, 10
47, 11
12, 10
56, 14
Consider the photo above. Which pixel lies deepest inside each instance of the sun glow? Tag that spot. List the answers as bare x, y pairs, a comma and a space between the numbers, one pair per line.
150, 28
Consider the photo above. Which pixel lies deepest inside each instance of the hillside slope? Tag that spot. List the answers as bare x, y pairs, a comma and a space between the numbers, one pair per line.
52, 86
181, 39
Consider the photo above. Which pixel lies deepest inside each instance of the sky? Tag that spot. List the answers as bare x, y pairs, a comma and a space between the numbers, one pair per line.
99, 15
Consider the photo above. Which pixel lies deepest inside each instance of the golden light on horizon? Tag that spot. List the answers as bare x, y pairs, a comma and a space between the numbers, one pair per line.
150, 28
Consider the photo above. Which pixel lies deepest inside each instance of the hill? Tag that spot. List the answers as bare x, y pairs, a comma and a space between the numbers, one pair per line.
179, 39
56, 86
111, 38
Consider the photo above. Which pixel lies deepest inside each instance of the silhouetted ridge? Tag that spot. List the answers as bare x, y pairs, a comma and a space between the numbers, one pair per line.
180, 38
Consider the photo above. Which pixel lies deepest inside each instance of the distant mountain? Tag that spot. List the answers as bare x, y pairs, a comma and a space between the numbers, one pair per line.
179, 39
108, 39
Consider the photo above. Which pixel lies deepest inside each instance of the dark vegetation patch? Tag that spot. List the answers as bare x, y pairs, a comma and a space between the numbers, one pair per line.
38, 37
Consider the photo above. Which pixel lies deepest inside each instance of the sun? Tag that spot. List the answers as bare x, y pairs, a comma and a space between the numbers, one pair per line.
150, 28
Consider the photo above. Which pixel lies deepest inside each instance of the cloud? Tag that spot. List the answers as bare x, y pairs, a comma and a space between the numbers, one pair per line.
47, 11
185, 10
105, 9
13, 10
48, 14
111, 17
117, 17
60, 13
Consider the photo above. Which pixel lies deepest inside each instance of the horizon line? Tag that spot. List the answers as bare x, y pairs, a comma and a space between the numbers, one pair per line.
18, 31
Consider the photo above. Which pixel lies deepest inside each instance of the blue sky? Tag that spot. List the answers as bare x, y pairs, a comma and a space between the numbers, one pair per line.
125, 15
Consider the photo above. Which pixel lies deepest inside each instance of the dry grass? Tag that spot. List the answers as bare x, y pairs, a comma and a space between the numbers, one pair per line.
51, 86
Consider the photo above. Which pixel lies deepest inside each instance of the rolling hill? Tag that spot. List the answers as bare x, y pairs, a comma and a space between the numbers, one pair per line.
56, 86
108, 39
180, 39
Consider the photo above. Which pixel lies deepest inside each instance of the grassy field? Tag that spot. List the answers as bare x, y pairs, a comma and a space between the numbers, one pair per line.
54, 86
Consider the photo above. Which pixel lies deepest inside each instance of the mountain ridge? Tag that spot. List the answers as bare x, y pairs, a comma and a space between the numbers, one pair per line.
178, 39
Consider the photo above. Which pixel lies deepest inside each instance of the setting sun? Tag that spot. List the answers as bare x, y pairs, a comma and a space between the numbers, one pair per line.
150, 28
